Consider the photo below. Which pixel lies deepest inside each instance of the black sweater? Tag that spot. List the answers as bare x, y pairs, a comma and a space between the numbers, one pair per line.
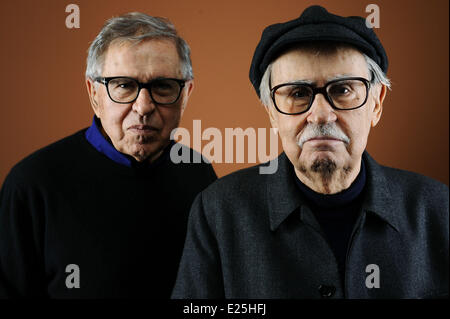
124, 227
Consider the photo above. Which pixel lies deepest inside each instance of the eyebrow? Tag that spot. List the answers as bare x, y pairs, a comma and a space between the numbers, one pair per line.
340, 76
336, 77
303, 82
148, 80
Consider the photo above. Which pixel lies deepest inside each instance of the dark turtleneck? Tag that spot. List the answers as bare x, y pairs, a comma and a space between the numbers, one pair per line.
337, 214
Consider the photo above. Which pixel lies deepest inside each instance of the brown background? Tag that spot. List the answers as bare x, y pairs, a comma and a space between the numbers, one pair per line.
43, 95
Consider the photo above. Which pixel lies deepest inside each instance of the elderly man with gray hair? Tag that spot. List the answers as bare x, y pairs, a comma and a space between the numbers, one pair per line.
331, 222
102, 213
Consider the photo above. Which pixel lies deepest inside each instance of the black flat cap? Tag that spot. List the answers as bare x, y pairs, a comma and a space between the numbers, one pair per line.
315, 24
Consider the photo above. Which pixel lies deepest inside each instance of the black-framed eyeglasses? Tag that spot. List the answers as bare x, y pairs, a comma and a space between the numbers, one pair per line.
123, 89
342, 94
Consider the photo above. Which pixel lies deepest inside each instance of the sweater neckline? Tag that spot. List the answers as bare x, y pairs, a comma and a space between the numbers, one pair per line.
135, 169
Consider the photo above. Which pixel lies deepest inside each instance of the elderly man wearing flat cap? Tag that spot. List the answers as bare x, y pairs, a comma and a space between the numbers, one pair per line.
331, 222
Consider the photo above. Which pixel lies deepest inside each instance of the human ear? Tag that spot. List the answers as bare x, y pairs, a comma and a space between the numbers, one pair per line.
189, 88
93, 96
379, 96
273, 115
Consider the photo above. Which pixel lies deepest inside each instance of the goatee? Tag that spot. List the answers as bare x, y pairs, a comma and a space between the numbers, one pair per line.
325, 167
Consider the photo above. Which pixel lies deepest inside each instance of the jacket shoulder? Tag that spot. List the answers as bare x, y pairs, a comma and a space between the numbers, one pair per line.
407, 180
424, 201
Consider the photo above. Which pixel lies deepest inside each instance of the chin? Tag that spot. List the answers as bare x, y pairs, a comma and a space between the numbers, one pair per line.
323, 155
142, 152
306, 159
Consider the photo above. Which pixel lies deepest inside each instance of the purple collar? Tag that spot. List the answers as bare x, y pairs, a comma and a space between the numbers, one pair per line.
96, 138
101, 144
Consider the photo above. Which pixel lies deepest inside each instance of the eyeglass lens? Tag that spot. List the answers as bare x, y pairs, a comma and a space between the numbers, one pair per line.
345, 94
163, 91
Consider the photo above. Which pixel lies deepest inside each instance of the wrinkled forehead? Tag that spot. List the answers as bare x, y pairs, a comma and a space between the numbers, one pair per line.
318, 65
144, 49
152, 57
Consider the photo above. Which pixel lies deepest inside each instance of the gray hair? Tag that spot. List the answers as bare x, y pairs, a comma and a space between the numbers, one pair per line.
378, 76
135, 27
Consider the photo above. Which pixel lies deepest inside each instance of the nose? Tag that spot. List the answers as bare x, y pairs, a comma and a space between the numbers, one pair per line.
144, 104
321, 111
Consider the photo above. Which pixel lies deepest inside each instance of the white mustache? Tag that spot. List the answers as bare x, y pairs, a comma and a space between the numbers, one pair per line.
322, 130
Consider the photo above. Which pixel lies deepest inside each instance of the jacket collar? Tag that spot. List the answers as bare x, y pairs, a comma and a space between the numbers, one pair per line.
381, 197
284, 198
282, 192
